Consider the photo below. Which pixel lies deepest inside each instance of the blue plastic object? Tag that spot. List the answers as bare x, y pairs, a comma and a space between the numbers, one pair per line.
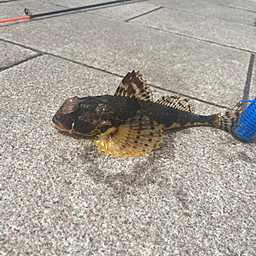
246, 125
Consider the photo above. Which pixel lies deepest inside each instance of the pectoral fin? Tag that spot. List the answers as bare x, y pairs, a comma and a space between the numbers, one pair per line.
136, 137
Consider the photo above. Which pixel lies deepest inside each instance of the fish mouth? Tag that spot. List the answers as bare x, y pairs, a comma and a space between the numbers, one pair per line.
58, 125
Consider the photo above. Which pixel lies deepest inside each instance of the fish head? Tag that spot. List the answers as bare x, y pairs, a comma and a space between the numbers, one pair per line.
66, 114
84, 116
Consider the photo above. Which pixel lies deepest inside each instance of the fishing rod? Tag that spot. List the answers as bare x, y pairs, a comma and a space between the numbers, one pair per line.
30, 15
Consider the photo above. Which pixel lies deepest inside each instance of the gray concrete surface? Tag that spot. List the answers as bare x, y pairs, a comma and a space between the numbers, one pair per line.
195, 195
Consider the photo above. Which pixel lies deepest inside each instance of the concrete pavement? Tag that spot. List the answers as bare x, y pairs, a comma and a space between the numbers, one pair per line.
59, 195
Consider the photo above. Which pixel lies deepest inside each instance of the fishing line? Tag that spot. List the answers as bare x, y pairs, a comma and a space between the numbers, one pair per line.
248, 82
245, 97
246, 125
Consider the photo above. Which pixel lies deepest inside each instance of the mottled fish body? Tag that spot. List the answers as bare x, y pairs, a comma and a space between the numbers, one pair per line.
130, 123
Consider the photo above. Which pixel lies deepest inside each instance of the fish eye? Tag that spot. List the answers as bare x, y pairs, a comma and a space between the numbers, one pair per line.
86, 107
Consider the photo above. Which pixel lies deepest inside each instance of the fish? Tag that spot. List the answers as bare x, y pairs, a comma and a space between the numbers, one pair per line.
129, 123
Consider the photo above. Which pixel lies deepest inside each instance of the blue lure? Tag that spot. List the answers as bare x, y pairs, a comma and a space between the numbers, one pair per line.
246, 125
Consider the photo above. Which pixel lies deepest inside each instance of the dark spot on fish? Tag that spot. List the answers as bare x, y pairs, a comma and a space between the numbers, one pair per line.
138, 131
151, 134
152, 127
133, 92
146, 144
150, 140
226, 127
134, 82
138, 137
140, 126
140, 85
136, 141
141, 91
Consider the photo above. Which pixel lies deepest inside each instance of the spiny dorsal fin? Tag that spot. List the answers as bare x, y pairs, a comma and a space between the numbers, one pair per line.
134, 86
136, 137
175, 102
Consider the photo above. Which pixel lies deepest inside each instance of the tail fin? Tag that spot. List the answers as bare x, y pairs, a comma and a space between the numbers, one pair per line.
226, 121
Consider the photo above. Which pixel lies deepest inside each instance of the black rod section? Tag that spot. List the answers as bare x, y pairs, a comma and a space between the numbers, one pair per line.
74, 9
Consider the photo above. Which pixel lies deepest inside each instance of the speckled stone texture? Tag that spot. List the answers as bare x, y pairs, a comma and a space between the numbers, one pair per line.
195, 195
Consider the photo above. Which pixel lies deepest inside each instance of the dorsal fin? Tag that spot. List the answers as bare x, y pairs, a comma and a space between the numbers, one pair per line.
134, 86
175, 102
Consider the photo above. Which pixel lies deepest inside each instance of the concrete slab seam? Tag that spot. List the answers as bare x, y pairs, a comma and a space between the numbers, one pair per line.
143, 14
232, 7
197, 14
20, 62
199, 39
40, 53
